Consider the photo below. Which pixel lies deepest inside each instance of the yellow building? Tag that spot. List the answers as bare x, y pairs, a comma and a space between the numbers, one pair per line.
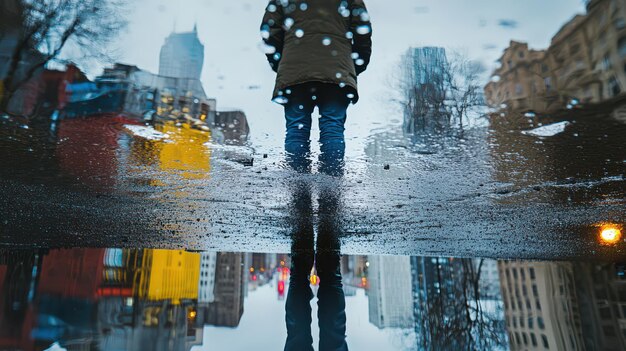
169, 275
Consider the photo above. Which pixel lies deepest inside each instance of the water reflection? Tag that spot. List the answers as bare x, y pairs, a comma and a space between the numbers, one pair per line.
109, 299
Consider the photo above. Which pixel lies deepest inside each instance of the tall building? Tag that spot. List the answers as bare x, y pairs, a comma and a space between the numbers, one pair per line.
182, 55
390, 295
229, 291
206, 285
541, 305
583, 64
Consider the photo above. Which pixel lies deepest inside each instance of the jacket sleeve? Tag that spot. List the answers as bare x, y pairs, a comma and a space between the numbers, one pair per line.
361, 28
272, 33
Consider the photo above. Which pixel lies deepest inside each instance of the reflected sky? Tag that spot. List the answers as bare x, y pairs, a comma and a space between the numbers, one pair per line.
236, 72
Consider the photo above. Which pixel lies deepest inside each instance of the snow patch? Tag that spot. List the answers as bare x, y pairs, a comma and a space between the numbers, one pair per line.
145, 132
548, 130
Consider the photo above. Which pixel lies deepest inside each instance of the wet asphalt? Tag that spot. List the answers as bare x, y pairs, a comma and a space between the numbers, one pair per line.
484, 192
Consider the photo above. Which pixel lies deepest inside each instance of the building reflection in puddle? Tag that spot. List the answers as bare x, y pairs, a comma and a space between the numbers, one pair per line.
113, 299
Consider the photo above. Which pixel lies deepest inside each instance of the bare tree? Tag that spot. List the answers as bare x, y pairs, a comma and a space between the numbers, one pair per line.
46, 27
436, 91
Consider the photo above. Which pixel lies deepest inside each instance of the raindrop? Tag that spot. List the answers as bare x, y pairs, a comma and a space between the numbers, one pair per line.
299, 33
271, 8
288, 91
289, 22
313, 97
365, 17
350, 96
304, 6
276, 56
344, 12
265, 31
349, 35
354, 55
338, 75
326, 41
342, 84
364, 29
300, 126
359, 62
267, 49
302, 108
281, 100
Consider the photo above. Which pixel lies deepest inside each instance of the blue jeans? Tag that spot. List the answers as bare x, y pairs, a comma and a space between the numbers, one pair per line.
332, 102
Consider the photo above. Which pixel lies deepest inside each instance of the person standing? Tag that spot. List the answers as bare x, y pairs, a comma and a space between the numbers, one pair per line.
317, 48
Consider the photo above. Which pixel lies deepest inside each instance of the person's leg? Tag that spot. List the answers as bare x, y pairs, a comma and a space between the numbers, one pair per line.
298, 304
331, 302
332, 103
298, 111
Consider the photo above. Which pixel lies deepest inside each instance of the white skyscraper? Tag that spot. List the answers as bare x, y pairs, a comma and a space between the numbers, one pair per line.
390, 295
206, 284
182, 55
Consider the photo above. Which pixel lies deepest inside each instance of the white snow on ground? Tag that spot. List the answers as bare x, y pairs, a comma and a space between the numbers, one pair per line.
548, 130
145, 132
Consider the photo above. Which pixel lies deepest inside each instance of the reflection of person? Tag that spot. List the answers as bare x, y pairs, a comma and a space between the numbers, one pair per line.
331, 300
317, 48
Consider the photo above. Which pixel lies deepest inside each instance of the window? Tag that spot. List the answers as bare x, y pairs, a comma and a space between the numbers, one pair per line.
614, 87
521, 54
533, 339
525, 338
535, 290
619, 23
519, 89
621, 47
574, 49
606, 62
540, 323
548, 83
544, 339
531, 323
532, 270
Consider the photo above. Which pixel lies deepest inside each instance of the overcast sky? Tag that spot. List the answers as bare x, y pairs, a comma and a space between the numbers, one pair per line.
234, 63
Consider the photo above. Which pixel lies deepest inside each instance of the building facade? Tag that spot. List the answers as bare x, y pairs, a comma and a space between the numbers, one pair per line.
585, 63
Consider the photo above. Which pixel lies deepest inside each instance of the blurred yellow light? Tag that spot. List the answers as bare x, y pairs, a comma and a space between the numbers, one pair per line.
251, 269
314, 279
610, 234
192, 314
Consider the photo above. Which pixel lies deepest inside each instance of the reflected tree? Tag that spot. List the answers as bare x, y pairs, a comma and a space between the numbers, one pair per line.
35, 33
436, 91
451, 309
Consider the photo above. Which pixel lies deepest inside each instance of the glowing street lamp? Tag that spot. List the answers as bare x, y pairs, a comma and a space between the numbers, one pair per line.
610, 234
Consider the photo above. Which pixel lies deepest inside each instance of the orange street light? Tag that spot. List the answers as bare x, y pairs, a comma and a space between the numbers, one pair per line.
610, 234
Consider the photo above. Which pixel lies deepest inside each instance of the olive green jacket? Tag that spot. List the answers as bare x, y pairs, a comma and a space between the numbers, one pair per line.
325, 41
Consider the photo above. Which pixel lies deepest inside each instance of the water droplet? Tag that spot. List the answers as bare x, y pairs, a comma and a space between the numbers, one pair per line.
359, 62
364, 29
276, 56
342, 84
288, 91
313, 97
267, 49
338, 75
271, 8
280, 100
354, 55
300, 126
299, 33
301, 107
326, 41
304, 6
350, 96
289, 22
365, 17
349, 35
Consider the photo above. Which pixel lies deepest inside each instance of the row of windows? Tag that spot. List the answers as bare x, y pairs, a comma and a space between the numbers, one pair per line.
515, 338
525, 322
